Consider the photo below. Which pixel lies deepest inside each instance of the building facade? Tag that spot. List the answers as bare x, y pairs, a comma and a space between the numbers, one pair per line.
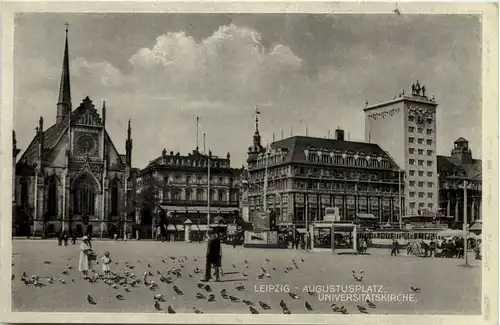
71, 177
456, 171
179, 186
307, 175
406, 128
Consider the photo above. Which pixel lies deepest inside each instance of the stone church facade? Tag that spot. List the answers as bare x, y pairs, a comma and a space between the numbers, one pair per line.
71, 177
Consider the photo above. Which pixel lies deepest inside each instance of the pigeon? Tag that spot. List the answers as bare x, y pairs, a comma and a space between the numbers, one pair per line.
253, 310
246, 262
415, 289
302, 260
267, 260
208, 288
224, 295
46, 262
264, 305
157, 305
120, 297
283, 305
149, 265
335, 308
65, 272
240, 287
294, 295
312, 293
170, 310
126, 289
248, 302
234, 266
286, 311
91, 300
211, 297
178, 291
159, 297
244, 274
308, 306
261, 276
200, 285
163, 261
370, 304
362, 309
197, 311
234, 299
200, 296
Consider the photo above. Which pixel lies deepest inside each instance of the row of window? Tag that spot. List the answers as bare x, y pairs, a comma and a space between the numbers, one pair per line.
420, 141
411, 129
420, 205
411, 118
420, 152
198, 195
194, 179
422, 194
421, 184
420, 162
364, 161
195, 162
420, 173
317, 172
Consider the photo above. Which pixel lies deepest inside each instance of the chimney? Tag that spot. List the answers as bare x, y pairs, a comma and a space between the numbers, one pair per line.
339, 134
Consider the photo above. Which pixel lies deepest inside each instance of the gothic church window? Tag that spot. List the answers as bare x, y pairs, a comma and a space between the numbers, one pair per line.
115, 185
52, 196
23, 184
84, 197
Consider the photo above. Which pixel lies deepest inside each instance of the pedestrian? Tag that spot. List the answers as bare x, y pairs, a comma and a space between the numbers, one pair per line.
393, 247
65, 238
106, 261
73, 238
234, 241
85, 250
432, 248
59, 239
213, 257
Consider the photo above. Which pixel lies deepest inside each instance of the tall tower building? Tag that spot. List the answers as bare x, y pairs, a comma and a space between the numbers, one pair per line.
405, 127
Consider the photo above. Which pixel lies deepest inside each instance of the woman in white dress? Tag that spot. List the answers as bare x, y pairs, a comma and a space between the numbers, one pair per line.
83, 263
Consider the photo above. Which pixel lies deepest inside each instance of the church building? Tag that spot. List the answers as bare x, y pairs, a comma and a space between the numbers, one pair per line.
71, 177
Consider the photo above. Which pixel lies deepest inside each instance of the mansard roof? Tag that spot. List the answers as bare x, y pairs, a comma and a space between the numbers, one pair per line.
450, 167
295, 146
54, 133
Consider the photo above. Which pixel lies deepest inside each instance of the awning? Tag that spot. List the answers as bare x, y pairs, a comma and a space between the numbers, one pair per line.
366, 216
450, 233
177, 227
478, 226
201, 209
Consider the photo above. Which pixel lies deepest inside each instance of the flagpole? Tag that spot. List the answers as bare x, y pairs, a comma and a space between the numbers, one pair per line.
208, 199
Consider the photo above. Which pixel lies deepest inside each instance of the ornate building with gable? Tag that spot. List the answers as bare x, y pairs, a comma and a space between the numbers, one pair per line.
306, 175
71, 177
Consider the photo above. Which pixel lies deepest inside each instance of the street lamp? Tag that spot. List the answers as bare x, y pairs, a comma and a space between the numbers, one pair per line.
465, 223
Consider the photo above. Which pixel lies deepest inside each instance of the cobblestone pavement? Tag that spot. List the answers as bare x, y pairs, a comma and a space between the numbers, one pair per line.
446, 288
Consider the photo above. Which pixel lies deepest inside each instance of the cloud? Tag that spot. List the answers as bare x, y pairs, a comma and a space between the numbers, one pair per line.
230, 65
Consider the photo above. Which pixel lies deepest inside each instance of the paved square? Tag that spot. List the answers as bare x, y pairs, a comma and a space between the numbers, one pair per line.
446, 288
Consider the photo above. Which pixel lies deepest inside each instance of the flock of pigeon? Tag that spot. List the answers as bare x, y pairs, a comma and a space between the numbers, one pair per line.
153, 279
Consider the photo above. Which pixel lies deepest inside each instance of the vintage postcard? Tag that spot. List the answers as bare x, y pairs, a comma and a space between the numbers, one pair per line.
244, 162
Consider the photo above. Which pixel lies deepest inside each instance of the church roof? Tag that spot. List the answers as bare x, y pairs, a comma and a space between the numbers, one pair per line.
295, 146
451, 167
54, 133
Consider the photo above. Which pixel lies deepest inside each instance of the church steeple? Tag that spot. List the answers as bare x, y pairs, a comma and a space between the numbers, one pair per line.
64, 101
128, 145
256, 136
256, 147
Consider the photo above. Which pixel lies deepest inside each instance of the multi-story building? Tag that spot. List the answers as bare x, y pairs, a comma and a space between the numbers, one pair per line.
406, 128
455, 171
179, 185
307, 175
71, 177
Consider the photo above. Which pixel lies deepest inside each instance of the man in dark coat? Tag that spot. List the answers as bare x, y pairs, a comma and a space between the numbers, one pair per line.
213, 257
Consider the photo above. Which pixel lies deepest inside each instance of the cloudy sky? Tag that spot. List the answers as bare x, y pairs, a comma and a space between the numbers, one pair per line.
163, 70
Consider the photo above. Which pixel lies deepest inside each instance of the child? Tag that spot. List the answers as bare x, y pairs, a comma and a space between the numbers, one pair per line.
105, 260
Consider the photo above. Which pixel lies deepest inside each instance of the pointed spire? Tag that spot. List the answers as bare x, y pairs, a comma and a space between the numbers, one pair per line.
129, 130
64, 101
257, 119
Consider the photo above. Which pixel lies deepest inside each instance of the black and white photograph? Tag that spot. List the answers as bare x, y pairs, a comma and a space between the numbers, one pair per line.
250, 163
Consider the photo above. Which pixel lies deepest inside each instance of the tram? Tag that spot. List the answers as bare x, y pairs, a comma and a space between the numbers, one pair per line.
383, 237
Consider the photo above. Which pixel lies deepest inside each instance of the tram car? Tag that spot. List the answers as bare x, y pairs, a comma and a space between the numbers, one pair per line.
382, 238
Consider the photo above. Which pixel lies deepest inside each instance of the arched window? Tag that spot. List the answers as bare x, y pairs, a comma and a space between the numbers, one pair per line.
221, 195
52, 196
115, 185
23, 184
84, 196
199, 195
